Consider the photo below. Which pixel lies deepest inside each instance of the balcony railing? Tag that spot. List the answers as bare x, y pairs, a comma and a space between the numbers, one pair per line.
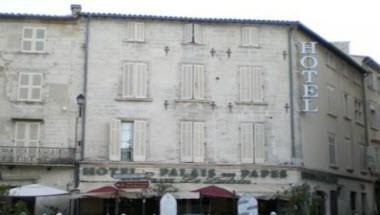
36, 155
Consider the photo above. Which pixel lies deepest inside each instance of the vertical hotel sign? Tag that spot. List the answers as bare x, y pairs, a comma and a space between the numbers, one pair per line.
309, 62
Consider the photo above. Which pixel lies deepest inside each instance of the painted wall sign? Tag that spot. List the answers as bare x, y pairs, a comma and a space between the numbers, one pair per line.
189, 175
309, 62
247, 205
320, 177
132, 184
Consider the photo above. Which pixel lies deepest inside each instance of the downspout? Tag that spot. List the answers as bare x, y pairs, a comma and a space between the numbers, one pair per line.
366, 127
83, 108
291, 91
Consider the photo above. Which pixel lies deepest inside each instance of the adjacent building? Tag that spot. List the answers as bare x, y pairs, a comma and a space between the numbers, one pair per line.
253, 106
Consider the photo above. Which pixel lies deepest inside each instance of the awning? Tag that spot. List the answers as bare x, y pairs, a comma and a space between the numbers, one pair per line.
215, 191
33, 190
109, 192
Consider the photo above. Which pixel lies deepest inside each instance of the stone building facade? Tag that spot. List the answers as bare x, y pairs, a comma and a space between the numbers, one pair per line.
252, 106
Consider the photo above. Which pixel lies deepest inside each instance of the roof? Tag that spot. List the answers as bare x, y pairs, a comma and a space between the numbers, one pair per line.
296, 24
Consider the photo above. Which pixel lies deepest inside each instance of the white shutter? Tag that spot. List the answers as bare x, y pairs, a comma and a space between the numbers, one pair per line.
350, 107
245, 36
23, 89
245, 84
246, 142
139, 31
128, 80
199, 82
259, 140
198, 34
187, 81
34, 134
114, 140
253, 36
186, 141
139, 140
188, 33
131, 31
140, 82
199, 141
20, 133
258, 91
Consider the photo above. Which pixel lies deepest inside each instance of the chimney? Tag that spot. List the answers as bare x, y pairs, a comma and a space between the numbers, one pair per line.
344, 46
75, 9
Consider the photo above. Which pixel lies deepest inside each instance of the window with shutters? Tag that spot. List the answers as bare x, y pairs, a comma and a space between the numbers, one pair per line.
251, 87
135, 80
332, 149
363, 158
29, 87
331, 100
250, 36
371, 81
27, 139
348, 145
192, 81
33, 39
330, 60
358, 108
374, 116
252, 142
192, 141
128, 140
193, 33
135, 32
348, 106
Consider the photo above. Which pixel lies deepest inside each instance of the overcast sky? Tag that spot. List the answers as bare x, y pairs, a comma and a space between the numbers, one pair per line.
335, 20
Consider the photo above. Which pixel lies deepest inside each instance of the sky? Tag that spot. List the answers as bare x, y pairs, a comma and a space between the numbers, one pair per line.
335, 20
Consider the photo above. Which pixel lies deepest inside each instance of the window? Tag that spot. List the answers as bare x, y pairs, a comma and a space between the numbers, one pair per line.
192, 141
33, 39
29, 87
252, 142
348, 106
192, 81
371, 81
135, 80
330, 60
378, 84
358, 110
331, 97
333, 202
363, 158
364, 203
128, 140
332, 149
135, 31
193, 33
348, 144
374, 110
27, 140
251, 88
353, 201
250, 36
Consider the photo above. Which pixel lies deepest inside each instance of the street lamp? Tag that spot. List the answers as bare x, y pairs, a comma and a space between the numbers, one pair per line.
80, 101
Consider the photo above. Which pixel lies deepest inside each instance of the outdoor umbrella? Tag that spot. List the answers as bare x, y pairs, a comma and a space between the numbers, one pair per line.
34, 190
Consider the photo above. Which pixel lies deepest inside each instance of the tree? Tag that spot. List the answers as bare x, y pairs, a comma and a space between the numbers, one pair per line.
6, 206
301, 201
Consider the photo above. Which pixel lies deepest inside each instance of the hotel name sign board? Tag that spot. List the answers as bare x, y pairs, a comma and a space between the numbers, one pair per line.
186, 175
309, 63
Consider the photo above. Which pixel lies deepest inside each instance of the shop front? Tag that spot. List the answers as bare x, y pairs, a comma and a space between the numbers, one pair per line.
198, 189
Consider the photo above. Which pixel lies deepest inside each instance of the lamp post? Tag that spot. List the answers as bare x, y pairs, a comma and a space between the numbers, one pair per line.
80, 101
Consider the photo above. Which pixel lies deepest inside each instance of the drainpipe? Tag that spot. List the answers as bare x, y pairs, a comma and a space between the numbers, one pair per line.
291, 90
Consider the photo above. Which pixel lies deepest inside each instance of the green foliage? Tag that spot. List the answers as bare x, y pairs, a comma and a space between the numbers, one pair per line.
6, 207
301, 201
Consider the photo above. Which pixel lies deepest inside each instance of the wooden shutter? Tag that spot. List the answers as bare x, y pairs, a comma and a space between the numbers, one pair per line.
258, 87
140, 82
128, 80
34, 134
139, 140
186, 141
114, 140
139, 31
245, 84
350, 107
187, 81
259, 141
199, 141
20, 133
199, 82
188, 33
131, 31
24, 80
246, 142
245, 36
198, 34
